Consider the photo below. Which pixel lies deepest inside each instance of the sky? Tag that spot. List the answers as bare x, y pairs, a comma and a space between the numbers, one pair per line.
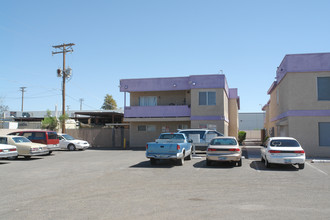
125, 39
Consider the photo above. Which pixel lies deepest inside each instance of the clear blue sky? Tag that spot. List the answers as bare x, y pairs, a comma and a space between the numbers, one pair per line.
120, 39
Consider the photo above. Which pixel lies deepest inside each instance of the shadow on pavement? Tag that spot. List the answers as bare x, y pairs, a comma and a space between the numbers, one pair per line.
258, 165
159, 164
214, 165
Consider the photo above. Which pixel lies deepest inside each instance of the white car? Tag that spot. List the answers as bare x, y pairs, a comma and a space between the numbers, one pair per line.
224, 149
283, 150
7, 151
70, 143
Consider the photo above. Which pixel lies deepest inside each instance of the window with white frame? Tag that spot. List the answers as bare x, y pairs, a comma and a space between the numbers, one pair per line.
323, 88
324, 134
148, 101
207, 98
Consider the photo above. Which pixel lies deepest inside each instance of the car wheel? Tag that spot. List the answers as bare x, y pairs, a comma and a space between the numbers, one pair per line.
71, 147
262, 159
266, 163
239, 163
180, 161
189, 156
301, 166
208, 162
152, 161
27, 157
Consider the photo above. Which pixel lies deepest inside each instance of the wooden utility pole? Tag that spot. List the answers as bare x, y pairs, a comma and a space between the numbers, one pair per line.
63, 48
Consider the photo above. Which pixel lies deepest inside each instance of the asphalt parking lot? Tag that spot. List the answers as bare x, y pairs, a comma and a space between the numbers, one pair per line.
121, 184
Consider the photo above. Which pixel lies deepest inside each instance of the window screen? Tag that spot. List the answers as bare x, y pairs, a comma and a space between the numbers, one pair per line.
324, 133
323, 88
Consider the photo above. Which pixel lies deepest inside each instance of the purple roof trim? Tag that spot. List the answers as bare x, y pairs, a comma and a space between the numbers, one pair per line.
310, 62
302, 113
209, 118
174, 83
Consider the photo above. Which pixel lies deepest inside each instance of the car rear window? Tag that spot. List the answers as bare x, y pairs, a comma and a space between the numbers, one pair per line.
21, 140
284, 143
171, 136
224, 141
187, 133
52, 135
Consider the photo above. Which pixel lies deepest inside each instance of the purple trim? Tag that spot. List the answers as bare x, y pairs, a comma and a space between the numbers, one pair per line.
302, 113
157, 111
208, 118
174, 83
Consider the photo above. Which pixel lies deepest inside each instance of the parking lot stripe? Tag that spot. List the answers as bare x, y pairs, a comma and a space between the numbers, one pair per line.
321, 171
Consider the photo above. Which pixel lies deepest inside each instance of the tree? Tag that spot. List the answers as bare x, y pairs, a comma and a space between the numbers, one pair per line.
109, 103
49, 122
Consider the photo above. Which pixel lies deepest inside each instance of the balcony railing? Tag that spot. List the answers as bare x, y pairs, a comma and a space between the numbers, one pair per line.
157, 111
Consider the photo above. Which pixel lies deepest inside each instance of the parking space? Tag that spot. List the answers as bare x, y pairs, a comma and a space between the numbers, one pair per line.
121, 184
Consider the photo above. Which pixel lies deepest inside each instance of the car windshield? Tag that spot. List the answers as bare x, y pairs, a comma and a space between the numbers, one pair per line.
21, 140
171, 136
224, 141
284, 143
68, 137
187, 133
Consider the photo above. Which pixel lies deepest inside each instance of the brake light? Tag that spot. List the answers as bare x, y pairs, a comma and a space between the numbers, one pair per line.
147, 147
211, 149
12, 149
234, 149
300, 152
274, 151
178, 147
0, 150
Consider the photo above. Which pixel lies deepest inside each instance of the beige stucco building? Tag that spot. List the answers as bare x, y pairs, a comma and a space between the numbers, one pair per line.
159, 105
299, 104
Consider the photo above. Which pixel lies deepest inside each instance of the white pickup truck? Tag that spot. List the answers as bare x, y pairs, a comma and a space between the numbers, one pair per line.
200, 137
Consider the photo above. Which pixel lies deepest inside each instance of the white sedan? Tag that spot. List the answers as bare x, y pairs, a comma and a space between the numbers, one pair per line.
283, 150
70, 143
7, 151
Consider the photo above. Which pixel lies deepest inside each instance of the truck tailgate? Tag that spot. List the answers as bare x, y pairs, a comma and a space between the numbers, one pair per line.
162, 148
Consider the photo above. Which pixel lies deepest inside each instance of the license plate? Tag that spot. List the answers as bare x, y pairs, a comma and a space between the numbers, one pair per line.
5, 151
222, 158
287, 161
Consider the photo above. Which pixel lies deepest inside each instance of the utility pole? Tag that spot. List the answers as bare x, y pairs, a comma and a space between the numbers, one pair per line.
81, 101
23, 90
63, 48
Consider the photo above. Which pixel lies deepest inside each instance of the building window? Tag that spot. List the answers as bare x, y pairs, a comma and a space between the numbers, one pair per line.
323, 88
148, 128
182, 126
142, 128
324, 133
207, 98
148, 101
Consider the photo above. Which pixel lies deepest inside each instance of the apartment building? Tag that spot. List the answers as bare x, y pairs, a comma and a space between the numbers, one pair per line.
159, 105
299, 104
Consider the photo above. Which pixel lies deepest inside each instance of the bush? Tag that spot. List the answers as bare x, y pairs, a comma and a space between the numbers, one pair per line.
241, 137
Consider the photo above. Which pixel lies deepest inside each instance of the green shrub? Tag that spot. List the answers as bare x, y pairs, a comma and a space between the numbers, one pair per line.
241, 137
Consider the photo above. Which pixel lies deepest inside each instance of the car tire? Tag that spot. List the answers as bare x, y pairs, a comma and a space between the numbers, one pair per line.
27, 157
208, 162
180, 161
71, 147
189, 156
267, 164
239, 163
301, 166
262, 159
153, 161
